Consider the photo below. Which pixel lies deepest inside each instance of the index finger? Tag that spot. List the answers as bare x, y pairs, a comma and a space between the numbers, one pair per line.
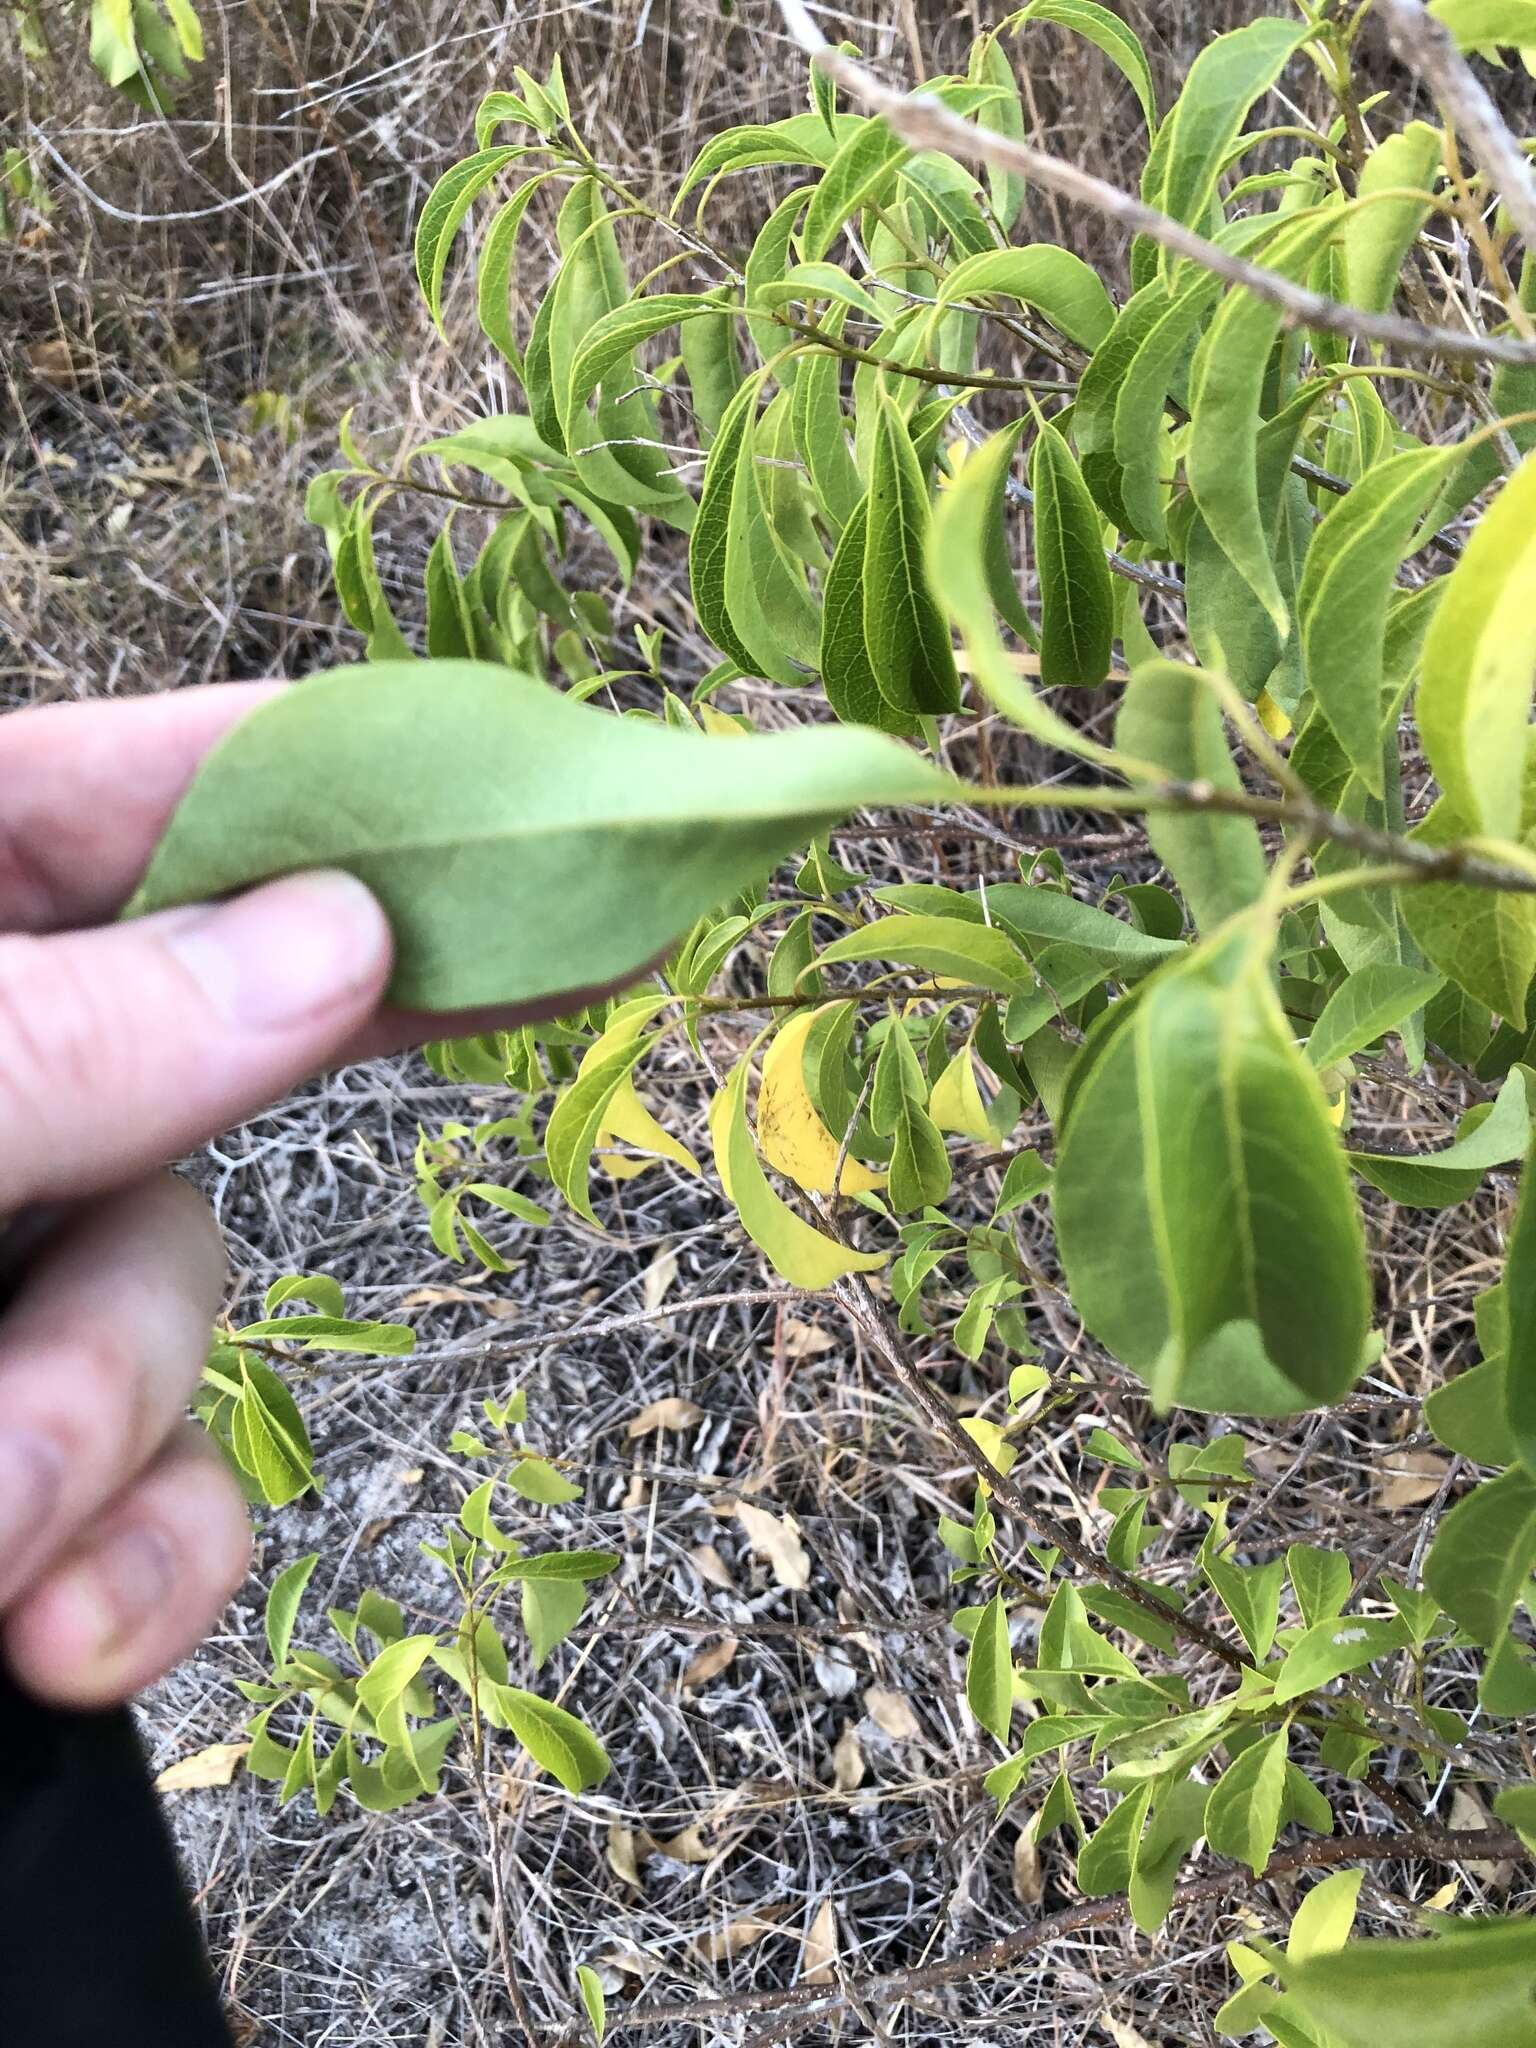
87, 789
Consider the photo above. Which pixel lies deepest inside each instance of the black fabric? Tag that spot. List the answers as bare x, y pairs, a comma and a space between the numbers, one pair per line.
98, 1946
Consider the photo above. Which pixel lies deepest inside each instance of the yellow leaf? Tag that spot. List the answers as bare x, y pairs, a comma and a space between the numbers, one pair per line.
627, 1119
956, 1104
210, 1767
793, 1137
818, 1957
799, 1253
1336, 1110
990, 1441
1274, 721
718, 722
672, 1412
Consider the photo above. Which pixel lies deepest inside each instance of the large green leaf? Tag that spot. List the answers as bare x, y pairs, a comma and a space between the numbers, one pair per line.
1171, 720
1203, 1210
1475, 1982
1519, 1300
1330, 1648
865, 163
1196, 139
1479, 1565
1242, 1814
1485, 24
1077, 604
989, 1671
1474, 702
1226, 391
904, 629
1379, 236
522, 844
1346, 586
1482, 939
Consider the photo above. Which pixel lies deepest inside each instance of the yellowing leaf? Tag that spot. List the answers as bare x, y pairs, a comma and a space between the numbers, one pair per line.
209, 1767
794, 1139
627, 1119
1272, 717
799, 1253
956, 1104
776, 1539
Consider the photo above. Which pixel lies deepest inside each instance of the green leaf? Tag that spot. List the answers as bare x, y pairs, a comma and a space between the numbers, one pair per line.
551, 1609
962, 548
537, 1480
1468, 1414
1242, 1814
591, 1986
1175, 1827
1346, 585
816, 413
1474, 701
1049, 280
800, 1254
1321, 1580
1330, 1648
268, 1436
1107, 1861
988, 65
865, 163
442, 216
1378, 237
514, 792
1077, 604
1108, 33
556, 1740
846, 674
1519, 1301
1479, 1565
1171, 719
283, 1603
1204, 1215
1196, 139
989, 1671
1435, 1180
1323, 1920
802, 139
1471, 1983
977, 954
712, 366
615, 337
708, 543
1365, 1006
904, 629
570, 1565
1486, 24
1250, 1593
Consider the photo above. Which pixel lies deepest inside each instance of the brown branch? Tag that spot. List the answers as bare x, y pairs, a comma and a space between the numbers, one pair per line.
924, 124
1426, 1845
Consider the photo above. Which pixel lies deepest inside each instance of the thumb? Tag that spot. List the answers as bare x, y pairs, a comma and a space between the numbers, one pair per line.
126, 1046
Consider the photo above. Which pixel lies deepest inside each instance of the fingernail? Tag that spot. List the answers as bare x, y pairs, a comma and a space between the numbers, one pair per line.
31, 1469
123, 1584
287, 952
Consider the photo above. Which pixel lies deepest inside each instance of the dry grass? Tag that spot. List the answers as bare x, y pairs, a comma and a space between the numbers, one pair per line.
256, 242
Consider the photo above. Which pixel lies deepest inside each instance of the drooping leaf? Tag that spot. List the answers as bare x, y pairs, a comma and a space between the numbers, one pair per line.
1199, 1180
1077, 603
975, 954
1346, 585
1196, 139
794, 1140
905, 632
989, 1671
556, 1740
1043, 277
535, 845
1474, 701
1169, 718
797, 1251
865, 162
1434, 1180
1379, 236
1107, 32
846, 674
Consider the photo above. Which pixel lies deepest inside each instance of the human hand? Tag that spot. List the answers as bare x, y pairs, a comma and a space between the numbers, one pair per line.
123, 1046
